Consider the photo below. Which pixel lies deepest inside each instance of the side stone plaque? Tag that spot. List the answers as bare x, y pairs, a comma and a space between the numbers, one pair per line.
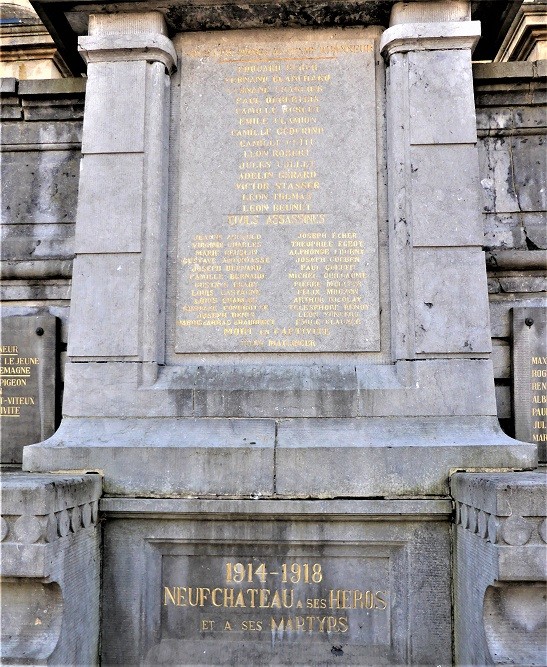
530, 376
27, 382
278, 226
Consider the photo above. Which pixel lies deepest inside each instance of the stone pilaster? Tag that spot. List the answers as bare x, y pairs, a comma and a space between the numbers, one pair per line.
439, 300
119, 270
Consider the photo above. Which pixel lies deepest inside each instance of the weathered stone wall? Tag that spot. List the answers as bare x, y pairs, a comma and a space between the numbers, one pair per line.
511, 124
41, 136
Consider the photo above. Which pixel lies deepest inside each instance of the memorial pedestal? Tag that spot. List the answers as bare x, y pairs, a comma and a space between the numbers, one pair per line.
279, 297
274, 311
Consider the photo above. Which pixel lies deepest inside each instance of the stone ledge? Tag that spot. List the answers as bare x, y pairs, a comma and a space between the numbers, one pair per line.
500, 568
509, 71
40, 509
50, 569
516, 260
265, 510
57, 87
268, 458
41, 99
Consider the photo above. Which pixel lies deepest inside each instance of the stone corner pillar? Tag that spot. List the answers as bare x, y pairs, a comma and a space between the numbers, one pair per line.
50, 569
118, 288
440, 300
500, 568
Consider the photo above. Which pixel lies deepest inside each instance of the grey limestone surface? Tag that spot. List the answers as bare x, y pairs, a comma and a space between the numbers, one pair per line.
50, 569
396, 418
28, 382
500, 568
40, 168
361, 582
430, 360
300, 458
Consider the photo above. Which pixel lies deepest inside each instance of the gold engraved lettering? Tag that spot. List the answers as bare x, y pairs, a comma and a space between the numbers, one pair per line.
276, 97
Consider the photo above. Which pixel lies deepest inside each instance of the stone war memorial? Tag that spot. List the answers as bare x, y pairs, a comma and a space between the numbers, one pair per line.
274, 357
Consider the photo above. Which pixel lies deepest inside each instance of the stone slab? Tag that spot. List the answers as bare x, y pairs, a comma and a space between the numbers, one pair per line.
180, 456
445, 202
28, 382
39, 186
530, 376
352, 388
339, 559
115, 83
301, 458
278, 230
109, 180
450, 286
110, 280
388, 457
441, 115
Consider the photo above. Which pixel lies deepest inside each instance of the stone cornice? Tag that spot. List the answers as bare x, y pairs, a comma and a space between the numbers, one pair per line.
430, 37
151, 47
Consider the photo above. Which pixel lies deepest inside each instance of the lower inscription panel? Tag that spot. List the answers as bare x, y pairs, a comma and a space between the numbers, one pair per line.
276, 599
194, 582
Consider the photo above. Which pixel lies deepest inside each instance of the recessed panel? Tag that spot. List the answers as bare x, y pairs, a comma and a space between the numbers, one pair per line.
530, 376
285, 604
278, 230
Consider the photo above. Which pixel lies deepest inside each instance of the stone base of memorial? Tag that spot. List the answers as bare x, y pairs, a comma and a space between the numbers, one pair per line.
215, 582
298, 458
500, 568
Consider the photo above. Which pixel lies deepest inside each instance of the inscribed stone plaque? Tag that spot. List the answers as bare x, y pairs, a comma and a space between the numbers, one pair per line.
278, 229
298, 605
530, 376
27, 382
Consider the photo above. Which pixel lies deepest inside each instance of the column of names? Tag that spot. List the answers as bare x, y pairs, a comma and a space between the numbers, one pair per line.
282, 257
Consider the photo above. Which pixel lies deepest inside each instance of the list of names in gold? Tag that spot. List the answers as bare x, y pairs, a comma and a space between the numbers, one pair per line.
278, 232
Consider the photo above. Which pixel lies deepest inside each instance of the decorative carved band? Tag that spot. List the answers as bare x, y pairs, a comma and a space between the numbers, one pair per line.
512, 530
32, 529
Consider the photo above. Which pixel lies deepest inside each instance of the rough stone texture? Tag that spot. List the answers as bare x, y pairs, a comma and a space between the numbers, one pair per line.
510, 102
400, 547
40, 169
28, 356
50, 569
500, 615
444, 281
